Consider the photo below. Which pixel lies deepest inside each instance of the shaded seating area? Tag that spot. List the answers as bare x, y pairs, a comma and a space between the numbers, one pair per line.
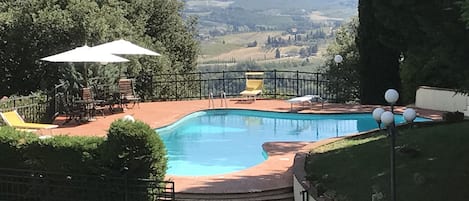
81, 108
13, 119
90, 102
254, 85
99, 100
127, 93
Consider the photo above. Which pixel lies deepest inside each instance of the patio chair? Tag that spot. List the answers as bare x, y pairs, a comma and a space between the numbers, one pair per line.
254, 84
90, 103
66, 106
127, 92
14, 120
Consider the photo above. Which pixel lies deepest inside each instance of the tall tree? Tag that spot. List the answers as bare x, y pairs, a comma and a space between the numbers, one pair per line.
378, 64
429, 37
344, 78
164, 25
32, 29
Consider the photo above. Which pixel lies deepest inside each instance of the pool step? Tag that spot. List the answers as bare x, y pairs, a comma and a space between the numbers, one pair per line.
281, 194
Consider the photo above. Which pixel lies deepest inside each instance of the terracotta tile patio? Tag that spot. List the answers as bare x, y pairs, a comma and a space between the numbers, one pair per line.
276, 172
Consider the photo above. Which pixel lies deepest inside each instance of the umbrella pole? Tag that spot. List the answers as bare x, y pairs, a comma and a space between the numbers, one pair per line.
86, 75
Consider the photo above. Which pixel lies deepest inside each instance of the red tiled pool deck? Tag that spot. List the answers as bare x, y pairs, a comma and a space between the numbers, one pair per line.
274, 173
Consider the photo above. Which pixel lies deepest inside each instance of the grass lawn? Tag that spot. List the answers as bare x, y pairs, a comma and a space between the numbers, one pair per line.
432, 163
211, 49
225, 44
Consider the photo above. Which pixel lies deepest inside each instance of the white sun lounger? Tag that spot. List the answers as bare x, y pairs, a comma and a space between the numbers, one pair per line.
305, 99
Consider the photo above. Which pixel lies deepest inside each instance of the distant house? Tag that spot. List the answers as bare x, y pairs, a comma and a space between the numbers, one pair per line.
202, 36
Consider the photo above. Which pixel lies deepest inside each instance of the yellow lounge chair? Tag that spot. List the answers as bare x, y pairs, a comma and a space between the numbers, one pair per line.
14, 120
253, 85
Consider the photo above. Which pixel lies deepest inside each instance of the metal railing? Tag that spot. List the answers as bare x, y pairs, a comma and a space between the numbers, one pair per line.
181, 86
277, 84
30, 185
33, 108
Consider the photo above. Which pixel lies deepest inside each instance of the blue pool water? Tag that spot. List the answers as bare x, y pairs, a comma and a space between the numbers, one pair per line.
221, 141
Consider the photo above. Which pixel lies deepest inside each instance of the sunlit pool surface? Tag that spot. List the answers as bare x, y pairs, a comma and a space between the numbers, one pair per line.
222, 141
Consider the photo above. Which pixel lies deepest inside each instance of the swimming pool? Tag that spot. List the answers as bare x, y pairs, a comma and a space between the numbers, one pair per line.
227, 140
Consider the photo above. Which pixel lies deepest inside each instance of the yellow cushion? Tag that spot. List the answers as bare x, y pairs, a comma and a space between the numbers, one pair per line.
13, 119
254, 84
251, 92
35, 126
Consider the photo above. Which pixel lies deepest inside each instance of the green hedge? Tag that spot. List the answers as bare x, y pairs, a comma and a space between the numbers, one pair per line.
132, 149
140, 153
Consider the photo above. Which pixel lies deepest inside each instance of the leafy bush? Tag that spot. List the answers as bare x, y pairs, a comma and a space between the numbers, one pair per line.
134, 149
65, 154
343, 76
25, 150
12, 142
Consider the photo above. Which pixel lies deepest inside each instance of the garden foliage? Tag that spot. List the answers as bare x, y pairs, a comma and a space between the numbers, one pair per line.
139, 153
132, 149
407, 44
33, 29
343, 76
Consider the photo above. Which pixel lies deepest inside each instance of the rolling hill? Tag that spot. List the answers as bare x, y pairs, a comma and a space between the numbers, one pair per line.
226, 27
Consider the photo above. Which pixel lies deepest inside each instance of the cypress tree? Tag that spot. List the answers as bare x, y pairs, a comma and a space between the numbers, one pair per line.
378, 64
277, 53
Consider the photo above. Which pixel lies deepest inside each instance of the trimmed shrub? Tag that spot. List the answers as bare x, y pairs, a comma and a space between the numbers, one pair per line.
12, 144
132, 149
135, 149
65, 154
25, 150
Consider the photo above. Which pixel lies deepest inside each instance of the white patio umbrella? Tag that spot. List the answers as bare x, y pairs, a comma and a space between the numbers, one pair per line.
123, 47
85, 54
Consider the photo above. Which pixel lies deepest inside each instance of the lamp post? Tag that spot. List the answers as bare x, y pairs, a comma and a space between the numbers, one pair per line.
387, 118
337, 59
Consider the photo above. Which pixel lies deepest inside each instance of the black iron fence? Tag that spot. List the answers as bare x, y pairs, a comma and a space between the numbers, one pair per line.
277, 84
33, 108
30, 185
180, 86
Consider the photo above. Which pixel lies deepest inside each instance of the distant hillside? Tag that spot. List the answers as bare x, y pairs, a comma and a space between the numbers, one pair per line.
237, 31
344, 6
219, 17
282, 5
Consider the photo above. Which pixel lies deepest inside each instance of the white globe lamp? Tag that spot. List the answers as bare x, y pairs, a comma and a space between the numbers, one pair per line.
409, 115
128, 118
377, 112
387, 118
391, 96
338, 59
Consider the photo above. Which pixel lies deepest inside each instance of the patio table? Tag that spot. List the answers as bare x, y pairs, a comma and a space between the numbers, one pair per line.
88, 107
